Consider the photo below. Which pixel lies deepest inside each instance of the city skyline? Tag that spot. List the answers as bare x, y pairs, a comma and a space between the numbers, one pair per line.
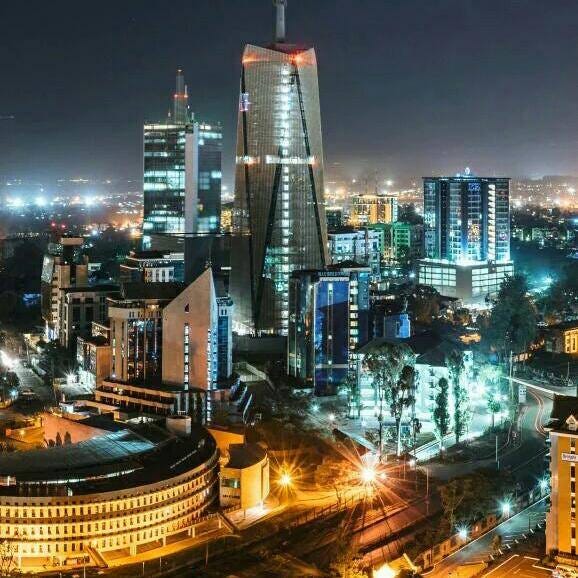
413, 93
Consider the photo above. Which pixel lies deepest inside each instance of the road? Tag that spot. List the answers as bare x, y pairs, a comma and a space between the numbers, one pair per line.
29, 380
519, 567
511, 531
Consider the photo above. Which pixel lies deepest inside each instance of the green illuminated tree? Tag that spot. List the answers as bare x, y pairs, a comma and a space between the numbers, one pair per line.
441, 412
462, 413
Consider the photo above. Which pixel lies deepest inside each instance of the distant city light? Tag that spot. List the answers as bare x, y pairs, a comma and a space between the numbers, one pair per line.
331, 417
506, 509
463, 532
315, 408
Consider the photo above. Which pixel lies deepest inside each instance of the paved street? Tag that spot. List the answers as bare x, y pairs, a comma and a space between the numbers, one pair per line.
29, 380
512, 531
520, 567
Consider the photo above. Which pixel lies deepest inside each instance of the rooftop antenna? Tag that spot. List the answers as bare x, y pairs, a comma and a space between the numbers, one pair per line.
280, 20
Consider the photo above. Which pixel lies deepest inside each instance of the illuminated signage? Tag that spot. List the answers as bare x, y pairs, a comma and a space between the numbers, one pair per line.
570, 457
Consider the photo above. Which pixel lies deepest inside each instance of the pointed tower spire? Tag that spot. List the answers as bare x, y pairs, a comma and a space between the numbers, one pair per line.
280, 20
180, 100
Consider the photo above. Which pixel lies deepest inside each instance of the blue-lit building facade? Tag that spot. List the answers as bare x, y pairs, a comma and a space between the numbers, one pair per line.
328, 320
466, 235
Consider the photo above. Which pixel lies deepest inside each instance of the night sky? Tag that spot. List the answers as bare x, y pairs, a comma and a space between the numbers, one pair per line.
408, 87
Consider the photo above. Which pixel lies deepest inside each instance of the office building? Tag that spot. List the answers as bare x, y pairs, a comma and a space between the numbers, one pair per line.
402, 241
466, 236
364, 246
208, 218
80, 307
279, 213
561, 517
116, 494
373, 209
182, 174
328, 320
64, 267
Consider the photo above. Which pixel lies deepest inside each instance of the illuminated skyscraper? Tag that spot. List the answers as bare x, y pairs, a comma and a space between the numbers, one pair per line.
279, 215
466, 235
182, 173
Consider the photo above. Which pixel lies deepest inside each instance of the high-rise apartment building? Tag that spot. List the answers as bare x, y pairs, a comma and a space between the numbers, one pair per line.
466, 235
64, 267
182, 173
279, 216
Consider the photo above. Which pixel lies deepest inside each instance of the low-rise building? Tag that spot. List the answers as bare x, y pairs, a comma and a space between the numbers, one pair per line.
561, 517
152, 267
245, 476
562, 338
364, 246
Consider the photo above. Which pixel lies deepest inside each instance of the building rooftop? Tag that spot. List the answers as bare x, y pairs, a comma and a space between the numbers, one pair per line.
161, 291
565, 325
245, 455
116, 460
563, 408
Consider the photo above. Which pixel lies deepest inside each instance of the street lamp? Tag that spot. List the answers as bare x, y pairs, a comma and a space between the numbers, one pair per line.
543, 484
384, 572
368, 475
331, 417
463, 533
285, 479
506, 509
315, 408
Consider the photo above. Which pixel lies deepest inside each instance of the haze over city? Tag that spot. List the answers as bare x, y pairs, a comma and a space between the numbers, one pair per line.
410, 88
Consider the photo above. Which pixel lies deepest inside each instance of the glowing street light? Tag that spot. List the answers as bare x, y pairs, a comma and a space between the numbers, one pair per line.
506, 509
331, 417
315, 408
285, 479
463, 533
543, 484
384, 572
367, 475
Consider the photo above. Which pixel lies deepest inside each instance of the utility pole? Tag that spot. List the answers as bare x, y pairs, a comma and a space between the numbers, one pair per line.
497, 459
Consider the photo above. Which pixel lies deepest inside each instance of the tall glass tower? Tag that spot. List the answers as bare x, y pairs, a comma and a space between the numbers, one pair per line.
182, 172
279, 215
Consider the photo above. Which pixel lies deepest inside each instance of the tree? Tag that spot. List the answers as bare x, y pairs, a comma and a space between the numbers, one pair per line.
462, 414
513, 320
441, 412
452, 495
391, 368
493, 407
496, 543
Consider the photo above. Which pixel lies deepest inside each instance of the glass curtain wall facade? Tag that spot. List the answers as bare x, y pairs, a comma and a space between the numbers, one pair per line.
182, 173
164, 179
279, 216
467, 219
210, 177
